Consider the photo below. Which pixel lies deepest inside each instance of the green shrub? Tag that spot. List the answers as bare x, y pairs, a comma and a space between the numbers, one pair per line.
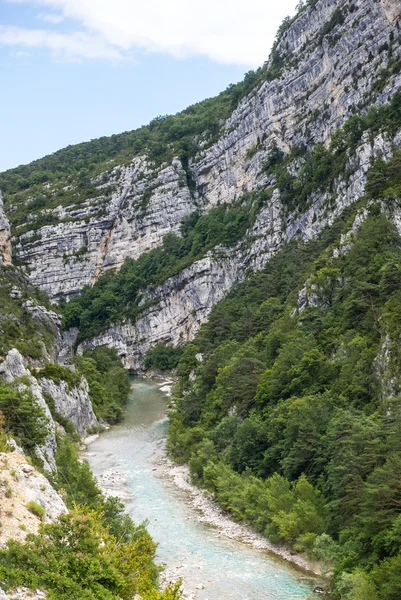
36, 509
59, 373
164, 358
24, 419
78, 558
108, 381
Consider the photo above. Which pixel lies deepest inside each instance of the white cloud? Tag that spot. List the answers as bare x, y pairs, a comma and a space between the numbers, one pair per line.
227, 31
52, 18
74, 46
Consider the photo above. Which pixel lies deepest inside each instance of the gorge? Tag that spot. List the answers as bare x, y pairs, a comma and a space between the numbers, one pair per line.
251, 244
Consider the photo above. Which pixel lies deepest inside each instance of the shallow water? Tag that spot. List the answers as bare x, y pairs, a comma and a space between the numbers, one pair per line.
228, 570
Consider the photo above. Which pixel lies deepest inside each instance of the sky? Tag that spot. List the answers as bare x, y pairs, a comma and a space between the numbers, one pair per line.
74, 70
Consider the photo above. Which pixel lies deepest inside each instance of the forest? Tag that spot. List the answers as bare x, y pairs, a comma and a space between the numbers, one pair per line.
287, 404
291, 418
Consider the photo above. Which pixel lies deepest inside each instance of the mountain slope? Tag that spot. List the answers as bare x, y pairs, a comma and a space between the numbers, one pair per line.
254, 242
335, 59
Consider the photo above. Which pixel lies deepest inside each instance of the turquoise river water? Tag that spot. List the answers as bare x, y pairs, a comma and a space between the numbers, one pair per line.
124, 459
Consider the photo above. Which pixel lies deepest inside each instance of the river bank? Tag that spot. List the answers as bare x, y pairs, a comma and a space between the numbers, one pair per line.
216, 557
211, 513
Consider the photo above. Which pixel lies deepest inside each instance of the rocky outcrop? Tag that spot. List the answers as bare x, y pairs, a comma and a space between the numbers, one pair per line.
23, 594
5, 237
12, 370
325, 79
135, 207
20, 485
329, 64
72, 403
182, 304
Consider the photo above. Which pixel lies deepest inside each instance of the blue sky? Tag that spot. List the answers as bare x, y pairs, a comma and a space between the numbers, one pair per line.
73, 70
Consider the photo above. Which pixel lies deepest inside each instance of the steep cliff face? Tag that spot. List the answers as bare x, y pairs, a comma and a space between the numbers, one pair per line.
20, 485
72, 403
13, 369
135, 208
183, 303
332, 68
5, 237
334, 60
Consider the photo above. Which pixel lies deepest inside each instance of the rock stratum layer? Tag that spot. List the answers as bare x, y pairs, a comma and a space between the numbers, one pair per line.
335, 59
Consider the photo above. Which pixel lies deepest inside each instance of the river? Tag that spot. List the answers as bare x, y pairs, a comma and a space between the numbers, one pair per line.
125, 460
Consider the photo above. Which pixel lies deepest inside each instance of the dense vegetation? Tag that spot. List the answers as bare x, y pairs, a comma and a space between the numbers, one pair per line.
163, 358
94, 552
24, 419
120, 295
18, 328
108, 382
293, 418
78, 558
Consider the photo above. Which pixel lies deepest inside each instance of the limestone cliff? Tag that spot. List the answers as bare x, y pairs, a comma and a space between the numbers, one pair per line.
334, 60
182, 304
5, 237
73, 404
21, 484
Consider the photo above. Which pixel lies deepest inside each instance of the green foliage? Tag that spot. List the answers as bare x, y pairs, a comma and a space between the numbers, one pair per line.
74, 476
337, 18
78, 558
108, 381
292, 513
164, 358
384, 180
357, 586
118, 295
59, 373
36, 509
386, 577
288, 422
4, 445
24, 419
18, 328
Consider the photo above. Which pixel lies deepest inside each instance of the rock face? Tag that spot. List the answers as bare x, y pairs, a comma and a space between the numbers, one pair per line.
5, 237
182, 304
327, 79
13, 369
335, 59
21, 484
135, 208
23, 594
74, 403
